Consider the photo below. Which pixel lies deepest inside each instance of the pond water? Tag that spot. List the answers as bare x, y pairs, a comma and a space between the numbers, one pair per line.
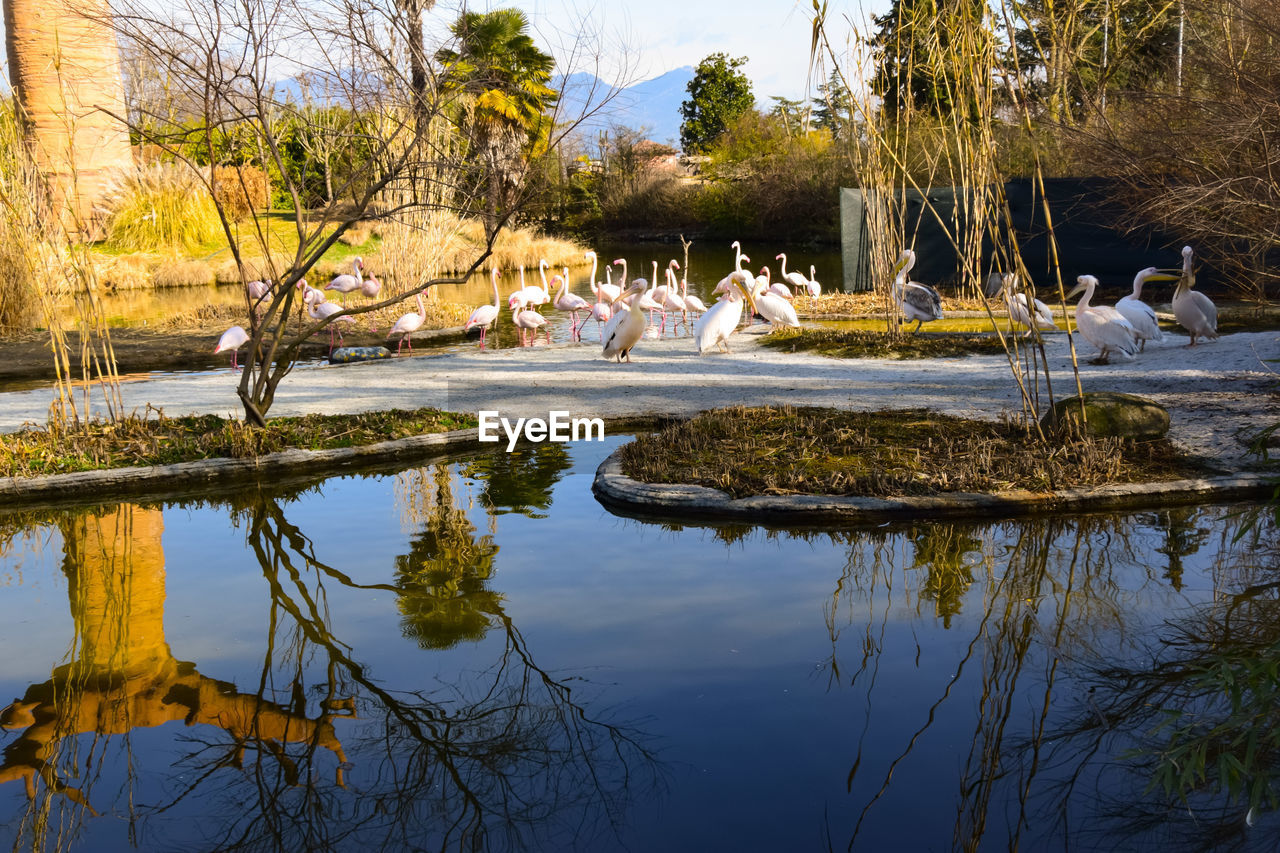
474, 655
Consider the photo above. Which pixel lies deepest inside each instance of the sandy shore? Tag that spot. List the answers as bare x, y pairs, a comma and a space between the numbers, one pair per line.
1216, 392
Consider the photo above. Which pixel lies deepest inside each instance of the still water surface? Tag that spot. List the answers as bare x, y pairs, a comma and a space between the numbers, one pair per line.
475, 655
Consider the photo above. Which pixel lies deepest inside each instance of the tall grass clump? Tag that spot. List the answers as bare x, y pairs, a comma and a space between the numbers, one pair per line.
241, 190
43, 258
163, 207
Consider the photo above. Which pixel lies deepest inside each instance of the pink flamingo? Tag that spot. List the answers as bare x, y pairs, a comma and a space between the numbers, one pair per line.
571, 302
795, 279
370, 287
601, 311
232, 339
408, 324
693, 303
671, 298
528, 320
346, 282
486, 314
323, 311
610, 291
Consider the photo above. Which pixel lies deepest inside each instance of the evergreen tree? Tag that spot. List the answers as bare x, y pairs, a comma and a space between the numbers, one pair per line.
833, 110
718, 94
917, 61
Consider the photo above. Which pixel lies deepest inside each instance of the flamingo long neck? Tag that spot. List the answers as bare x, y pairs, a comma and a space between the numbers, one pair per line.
542, 271
521, 277
594, 263
737, 259
564, 285
493, 279
655, 274
422, 309
782, 271
624, 271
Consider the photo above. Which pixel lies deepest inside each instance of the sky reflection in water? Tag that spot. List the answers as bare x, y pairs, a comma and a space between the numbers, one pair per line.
476, 654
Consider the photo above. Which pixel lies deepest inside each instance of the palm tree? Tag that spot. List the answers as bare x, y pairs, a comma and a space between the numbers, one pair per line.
503, 78
65, 70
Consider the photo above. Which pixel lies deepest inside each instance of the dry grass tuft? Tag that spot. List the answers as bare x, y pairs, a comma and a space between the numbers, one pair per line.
241, 190
358, 234
862, 344
202, 317
871, 304
160, 440
256, 269
123, 272
182, 274
783, 451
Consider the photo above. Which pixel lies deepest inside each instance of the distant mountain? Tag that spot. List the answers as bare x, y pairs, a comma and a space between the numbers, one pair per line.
651, 104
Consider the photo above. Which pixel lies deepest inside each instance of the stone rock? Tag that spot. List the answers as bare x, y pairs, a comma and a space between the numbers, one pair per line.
1111, 414
347, 355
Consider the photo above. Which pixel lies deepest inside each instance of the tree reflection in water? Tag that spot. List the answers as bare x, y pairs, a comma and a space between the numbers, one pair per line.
520, 481
1196, 714
318, 754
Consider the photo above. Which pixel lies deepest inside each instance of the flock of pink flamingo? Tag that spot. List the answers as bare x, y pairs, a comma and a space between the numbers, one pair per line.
669, 301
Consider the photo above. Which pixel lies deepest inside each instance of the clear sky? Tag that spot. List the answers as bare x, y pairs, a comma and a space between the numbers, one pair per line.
661, 35
646, 38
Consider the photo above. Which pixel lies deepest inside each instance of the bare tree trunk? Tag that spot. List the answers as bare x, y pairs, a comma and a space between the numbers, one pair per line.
65, 70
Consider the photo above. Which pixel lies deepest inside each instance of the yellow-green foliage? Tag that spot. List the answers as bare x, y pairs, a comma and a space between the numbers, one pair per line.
162, 207
241, 190
17, 276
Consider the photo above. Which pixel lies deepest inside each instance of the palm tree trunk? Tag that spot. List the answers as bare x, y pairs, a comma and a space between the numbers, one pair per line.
65, 70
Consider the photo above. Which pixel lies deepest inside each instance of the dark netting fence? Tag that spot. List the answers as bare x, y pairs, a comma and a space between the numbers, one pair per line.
1086, 222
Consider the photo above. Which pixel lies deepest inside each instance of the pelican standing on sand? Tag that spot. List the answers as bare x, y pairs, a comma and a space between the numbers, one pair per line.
1194, 311
485, 315
780, 313
918, 302
721, 320
625, 330
1101, 325
1016, 304
1139, 314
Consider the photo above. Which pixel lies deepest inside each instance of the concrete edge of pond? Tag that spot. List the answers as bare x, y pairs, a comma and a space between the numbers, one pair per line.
194, 478
685, 502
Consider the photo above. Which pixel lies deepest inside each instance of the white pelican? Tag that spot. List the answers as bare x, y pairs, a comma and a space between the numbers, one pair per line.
627, 327
1194, 311
485, 315
1016, 304
918, 302
1139, 314
1103, 326
780, 313
721, 320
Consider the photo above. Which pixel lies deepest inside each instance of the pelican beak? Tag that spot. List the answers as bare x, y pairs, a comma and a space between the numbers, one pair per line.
1079, 288
747, 293
1166, 275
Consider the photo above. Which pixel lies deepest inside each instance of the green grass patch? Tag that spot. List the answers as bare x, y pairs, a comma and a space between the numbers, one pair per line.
786, 450
162, 440
855, 343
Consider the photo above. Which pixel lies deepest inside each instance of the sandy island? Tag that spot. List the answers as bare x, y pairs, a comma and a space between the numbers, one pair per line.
1217, 393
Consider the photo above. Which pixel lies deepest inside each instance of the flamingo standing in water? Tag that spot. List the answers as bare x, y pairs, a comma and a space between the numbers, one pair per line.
528, 320
232, 339
601, 311
571, 302
693, 303
610, 291
672, 299
408, 324
485, 315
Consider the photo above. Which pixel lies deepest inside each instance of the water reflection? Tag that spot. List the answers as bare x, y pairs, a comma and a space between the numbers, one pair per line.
395, 662
315, 752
